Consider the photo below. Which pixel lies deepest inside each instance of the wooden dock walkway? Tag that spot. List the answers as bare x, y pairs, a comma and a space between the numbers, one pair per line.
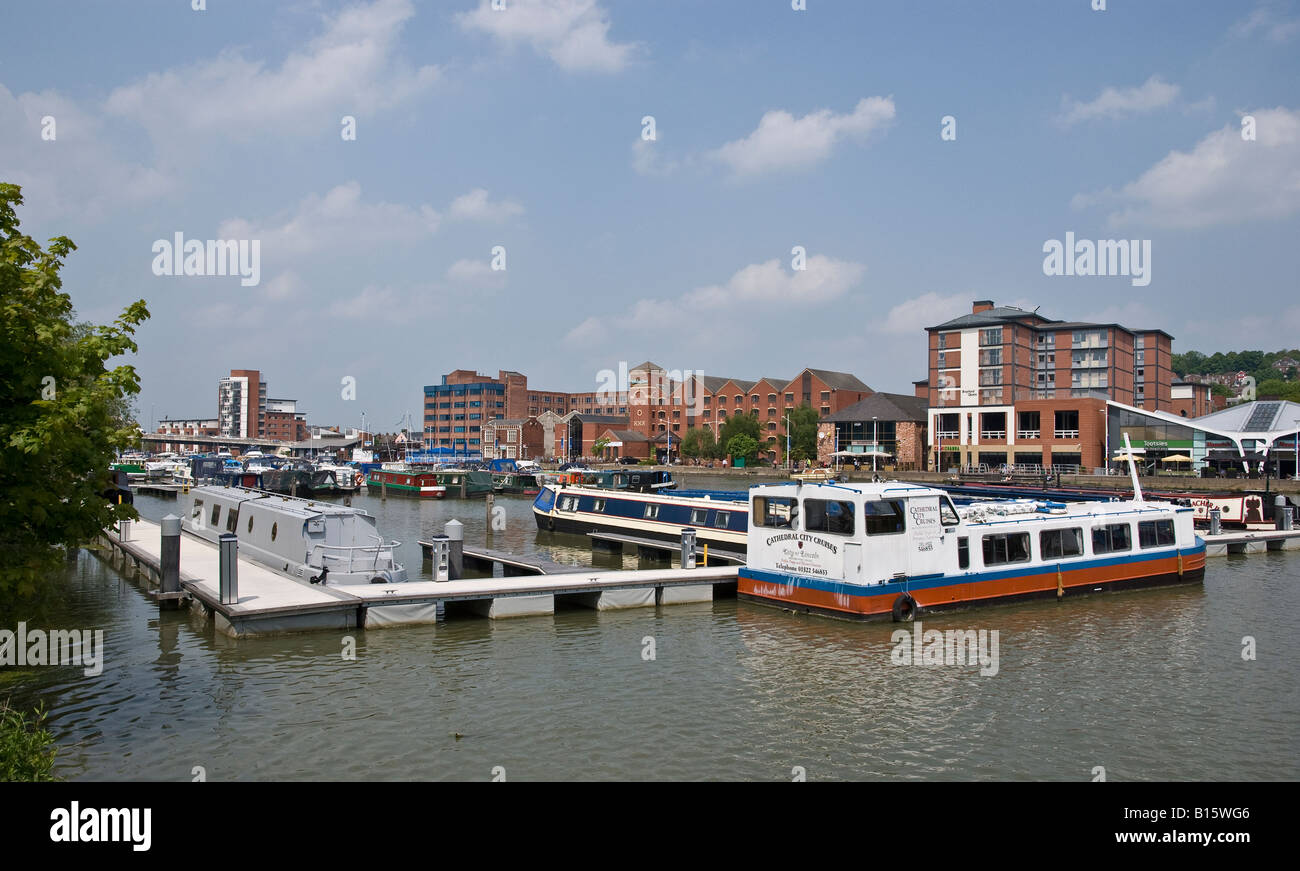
270, 602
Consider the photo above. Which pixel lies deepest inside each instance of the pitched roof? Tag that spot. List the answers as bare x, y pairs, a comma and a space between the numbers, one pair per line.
989, 317
628, 435
883, 406
837, 380
647, 366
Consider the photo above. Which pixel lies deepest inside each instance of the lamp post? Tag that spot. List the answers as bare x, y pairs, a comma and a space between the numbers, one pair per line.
875, 445
1296, 448
787, 442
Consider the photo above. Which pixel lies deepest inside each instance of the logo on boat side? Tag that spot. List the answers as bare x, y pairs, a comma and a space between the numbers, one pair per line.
920, 646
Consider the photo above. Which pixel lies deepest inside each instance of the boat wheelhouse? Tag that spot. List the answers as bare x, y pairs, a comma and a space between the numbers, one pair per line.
309, 541
719, 517
407, 482
893, 550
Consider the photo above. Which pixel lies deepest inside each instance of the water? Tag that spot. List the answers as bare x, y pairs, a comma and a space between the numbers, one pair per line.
1149, 685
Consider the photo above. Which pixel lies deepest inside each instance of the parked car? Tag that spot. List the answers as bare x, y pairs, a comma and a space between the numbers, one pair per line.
628, 461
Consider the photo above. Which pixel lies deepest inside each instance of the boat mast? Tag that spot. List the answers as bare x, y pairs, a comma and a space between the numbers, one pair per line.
1132, 470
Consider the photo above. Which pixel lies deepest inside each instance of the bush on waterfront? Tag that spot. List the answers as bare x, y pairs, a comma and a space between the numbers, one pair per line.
27, 748
743, 446
63, 414
737, 424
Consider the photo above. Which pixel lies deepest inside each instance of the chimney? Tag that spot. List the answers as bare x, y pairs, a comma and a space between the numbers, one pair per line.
981, 305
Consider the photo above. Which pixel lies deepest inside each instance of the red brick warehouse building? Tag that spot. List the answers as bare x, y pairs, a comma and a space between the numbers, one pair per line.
1012, 386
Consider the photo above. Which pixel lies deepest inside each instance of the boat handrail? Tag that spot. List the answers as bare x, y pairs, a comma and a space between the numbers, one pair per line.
351, 553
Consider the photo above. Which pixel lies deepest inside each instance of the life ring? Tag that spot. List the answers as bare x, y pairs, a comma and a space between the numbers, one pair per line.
905, 609
360, 479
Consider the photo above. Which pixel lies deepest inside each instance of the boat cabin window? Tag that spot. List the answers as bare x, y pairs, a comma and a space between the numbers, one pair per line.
598, 505
232, 519
1012, 547
883, 518
216, 515
963, 553
778, 512
1111, 538
948, 512
197, 510
250, 523
828, 515
699, 515
275, 527
568, 503
722, 519
651, 510
1156, 533
1056, 543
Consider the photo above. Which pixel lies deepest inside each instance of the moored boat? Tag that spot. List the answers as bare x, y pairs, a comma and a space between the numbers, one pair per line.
718, 517
407, 482
312, 541
894, 550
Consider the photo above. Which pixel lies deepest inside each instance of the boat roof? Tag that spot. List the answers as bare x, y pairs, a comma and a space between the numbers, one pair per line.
288, 504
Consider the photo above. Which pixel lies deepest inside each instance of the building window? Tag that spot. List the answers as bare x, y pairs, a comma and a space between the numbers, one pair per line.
789, 397
991, 336
991, 357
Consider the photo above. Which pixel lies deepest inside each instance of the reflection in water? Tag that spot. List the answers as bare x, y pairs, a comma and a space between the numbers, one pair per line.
1149, 684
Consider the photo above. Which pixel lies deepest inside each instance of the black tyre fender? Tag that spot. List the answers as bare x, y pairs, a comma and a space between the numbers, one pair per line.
905, 609
550, 524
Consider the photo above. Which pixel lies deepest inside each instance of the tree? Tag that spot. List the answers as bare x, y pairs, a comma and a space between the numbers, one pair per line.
738, 424
1276, 388
743, 446
698, 443
803, 433
62, 411
599, 445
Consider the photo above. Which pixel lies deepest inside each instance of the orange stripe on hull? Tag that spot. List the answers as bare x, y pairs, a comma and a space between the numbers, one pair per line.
975, 591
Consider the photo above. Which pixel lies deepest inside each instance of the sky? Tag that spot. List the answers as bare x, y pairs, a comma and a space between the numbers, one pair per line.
738, 188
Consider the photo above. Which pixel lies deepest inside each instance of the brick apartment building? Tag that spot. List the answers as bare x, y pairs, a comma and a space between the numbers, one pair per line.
1007, 385
657, 403
241, 404
180, 427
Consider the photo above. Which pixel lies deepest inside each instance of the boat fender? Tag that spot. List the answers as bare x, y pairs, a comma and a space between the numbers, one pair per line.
320, 579
905, 609
550, 524
379, 579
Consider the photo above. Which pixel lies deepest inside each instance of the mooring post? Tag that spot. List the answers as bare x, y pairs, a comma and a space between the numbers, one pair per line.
490, 501
455, 532
688, 547
440, 555
170, 555
1281, 514
124, 530
228, 568
383, 489
1216, 521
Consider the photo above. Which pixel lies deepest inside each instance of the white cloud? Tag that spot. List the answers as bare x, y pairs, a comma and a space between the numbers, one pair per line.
339, 220
782, 141
1267, 19
648, 159
1118, 102
348, 69
912, 316
1222, 180
286, 285
475, 206
760, 288
476, 272
376, 303
572, 33
78, 172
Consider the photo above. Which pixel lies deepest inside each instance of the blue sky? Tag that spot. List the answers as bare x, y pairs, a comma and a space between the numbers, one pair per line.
522, 128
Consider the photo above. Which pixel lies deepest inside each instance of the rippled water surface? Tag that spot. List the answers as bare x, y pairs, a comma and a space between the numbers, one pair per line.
1150, 685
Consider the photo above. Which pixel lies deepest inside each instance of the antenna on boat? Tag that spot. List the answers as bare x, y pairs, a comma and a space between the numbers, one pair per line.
1132, 470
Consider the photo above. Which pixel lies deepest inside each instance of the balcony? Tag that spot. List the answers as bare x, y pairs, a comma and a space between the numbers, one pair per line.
949, 435
993, 434
1029, 434
1067, 434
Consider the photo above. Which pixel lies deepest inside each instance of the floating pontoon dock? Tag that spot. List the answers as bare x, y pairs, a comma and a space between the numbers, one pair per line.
269, 602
